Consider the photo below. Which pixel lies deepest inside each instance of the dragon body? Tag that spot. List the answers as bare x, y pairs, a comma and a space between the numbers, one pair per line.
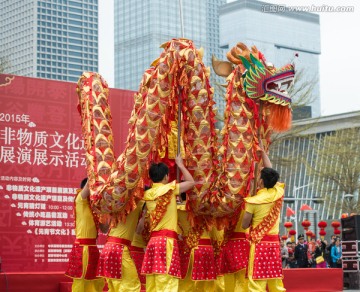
178, 82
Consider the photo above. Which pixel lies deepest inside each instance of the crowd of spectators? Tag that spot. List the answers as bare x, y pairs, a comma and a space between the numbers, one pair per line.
312, 254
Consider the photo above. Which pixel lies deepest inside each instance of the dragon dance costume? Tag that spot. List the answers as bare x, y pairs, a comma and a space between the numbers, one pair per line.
116, 264
235, 257
200, 264
161, 263
84, 255
265, 267
257, 105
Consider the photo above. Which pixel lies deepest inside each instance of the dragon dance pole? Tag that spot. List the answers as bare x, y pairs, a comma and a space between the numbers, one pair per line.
258, 135
181, 20
179, 100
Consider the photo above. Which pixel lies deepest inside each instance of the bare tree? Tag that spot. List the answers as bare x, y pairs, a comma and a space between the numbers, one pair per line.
4, 64
337, 168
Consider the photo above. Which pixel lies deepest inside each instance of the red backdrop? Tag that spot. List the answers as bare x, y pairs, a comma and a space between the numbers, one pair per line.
41, 166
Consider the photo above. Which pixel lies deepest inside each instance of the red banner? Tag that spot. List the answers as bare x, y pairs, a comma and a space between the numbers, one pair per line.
42, 162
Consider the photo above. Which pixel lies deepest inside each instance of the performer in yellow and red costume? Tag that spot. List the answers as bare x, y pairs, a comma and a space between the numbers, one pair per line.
161, 263
116, 264
84, 255
263, 217
137, 248
235, 257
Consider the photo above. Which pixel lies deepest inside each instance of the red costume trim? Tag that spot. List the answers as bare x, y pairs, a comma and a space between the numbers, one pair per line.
165, 233
155, 256
205, 241
75, 267
185, 257
85, 241
111, 257
136, 249
235, 254
137, 254
204, 262
271, 238
238, 235
270, 266
113, 239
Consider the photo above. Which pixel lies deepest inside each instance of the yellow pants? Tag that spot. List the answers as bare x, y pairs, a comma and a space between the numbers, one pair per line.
236, 281
161, 283
220, 284
129, 277
274, 285
82, 285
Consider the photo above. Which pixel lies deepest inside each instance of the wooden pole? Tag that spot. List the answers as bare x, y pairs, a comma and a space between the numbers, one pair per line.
258, 136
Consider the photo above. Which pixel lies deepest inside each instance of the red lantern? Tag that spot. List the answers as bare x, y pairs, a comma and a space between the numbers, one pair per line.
292, 233
306, 224
322, 234
337, 231
288, 225
309, 233
335, 224
344, 215
284, 237
322, 224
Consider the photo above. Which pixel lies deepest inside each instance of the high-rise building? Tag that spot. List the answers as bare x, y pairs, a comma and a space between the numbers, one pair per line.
53, 39
278, 33
142, 26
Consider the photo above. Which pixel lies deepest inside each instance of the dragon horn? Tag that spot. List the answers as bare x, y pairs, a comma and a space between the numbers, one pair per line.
221, 68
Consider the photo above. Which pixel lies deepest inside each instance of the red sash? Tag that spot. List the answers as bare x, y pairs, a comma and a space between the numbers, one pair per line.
238, 235
123, 241
165, 233
85, 241
204, 241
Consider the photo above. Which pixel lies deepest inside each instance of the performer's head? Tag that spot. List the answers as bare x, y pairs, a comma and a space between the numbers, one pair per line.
159, 172
269, 176
83, 183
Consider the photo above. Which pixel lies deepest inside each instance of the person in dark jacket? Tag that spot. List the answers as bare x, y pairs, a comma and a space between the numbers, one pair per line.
328, 250
301, 253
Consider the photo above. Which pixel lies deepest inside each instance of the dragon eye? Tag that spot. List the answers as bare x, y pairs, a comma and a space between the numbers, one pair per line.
244, 73
269, 65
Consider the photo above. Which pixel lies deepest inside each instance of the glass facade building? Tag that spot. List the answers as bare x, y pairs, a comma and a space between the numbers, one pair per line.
279, 34
142, 26
52, 39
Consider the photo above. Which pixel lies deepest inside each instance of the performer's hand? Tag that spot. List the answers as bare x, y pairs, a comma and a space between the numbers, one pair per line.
179, 161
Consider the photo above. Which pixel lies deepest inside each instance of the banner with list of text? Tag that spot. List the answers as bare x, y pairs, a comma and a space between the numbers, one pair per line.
42, 162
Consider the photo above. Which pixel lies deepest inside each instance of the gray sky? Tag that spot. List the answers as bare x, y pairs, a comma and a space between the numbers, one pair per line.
338, 60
